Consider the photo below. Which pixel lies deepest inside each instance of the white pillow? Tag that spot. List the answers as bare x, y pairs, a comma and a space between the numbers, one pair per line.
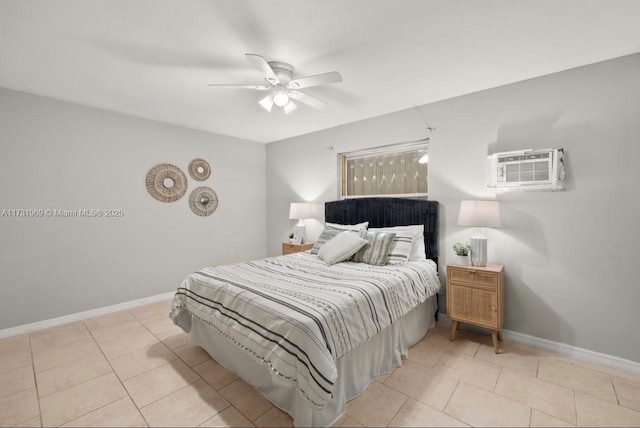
357, 227
418, 251
341, 247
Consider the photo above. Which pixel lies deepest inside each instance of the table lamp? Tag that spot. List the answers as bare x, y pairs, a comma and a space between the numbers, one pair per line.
299, 211
480, 214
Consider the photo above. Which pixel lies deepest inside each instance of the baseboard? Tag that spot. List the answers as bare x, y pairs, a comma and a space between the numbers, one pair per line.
563, 349
53, 322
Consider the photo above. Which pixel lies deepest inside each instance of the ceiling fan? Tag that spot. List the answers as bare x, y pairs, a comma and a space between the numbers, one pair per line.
282, 87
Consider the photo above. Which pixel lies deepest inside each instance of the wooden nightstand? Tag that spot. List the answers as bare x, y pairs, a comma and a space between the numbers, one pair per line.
475, 295
288, 247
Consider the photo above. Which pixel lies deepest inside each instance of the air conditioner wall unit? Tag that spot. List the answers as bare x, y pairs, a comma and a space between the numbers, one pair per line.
526, 170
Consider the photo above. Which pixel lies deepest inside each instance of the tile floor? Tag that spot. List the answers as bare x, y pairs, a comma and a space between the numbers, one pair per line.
135, 368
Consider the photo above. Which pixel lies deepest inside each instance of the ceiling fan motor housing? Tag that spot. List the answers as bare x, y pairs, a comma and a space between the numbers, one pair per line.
282, 70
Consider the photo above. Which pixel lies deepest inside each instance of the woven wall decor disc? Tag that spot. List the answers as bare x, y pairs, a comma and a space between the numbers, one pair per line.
203, 201
166, 182
199, 169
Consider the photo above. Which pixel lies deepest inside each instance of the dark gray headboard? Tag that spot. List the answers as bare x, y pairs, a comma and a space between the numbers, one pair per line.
386, 212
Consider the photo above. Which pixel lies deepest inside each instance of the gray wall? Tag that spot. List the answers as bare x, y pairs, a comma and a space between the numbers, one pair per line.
57, 155
569, 256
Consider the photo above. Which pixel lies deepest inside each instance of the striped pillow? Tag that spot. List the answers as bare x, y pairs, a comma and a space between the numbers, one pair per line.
377, 249
400, 248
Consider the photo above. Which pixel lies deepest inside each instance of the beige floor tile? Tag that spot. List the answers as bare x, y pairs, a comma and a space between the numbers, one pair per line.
385, 376
422, 383
192, 354
43, 340
628, 392
467, 342
187, 407
60, 355
417, 414
71, 403
592, 366
347, 421
469, 369
16, 380
121, 413
161, 325
550, 398
125, 344
70, 374
540, 419
151, 311
174, 339
246, 399
130, 365
216, 375
154, 384
510, 357
478, 407
108, 320
425, 353
274, 417
14, 343
16, 359
376, 406
595, 412
31, 423
576, 377
114, 331
19, 407
229, 417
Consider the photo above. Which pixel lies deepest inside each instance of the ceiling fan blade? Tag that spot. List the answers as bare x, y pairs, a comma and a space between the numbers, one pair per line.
307, 99
263, 66
256, 87
315, 80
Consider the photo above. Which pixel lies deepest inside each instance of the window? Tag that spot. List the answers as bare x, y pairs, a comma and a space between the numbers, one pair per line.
396, 170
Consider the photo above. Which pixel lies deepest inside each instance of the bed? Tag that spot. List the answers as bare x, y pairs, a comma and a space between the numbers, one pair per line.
308, 335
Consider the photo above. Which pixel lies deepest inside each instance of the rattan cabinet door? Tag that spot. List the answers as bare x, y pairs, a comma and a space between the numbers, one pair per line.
473, 304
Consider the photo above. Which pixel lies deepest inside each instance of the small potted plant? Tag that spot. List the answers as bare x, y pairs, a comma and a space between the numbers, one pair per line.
462, 253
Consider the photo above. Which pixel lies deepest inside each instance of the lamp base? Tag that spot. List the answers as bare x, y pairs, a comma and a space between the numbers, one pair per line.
478, 244
301, 231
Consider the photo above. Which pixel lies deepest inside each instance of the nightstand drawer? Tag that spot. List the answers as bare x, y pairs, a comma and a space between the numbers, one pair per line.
475, 305
480, 277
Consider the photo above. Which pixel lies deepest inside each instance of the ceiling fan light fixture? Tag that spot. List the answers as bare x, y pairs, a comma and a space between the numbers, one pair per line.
267, 103
291, 106
280, 98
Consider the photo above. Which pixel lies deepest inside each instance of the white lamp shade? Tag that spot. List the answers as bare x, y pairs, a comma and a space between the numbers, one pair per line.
300, 210
479, 214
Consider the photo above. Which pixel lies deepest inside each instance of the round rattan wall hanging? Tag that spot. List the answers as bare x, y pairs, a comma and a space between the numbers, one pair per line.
166, 182
199, 169
203, 201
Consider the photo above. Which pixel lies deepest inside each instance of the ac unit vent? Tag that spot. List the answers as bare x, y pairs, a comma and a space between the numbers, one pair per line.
526, 170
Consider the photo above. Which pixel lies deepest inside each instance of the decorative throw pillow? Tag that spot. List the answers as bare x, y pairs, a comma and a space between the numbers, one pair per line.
377, 248
331, 230
358, 226
400, 248
341, 247
418, 251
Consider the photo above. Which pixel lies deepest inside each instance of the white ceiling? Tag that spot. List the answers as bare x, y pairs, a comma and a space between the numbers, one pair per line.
154, 58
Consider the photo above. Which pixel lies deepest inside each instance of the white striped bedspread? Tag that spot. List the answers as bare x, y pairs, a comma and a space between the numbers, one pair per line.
297, 315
